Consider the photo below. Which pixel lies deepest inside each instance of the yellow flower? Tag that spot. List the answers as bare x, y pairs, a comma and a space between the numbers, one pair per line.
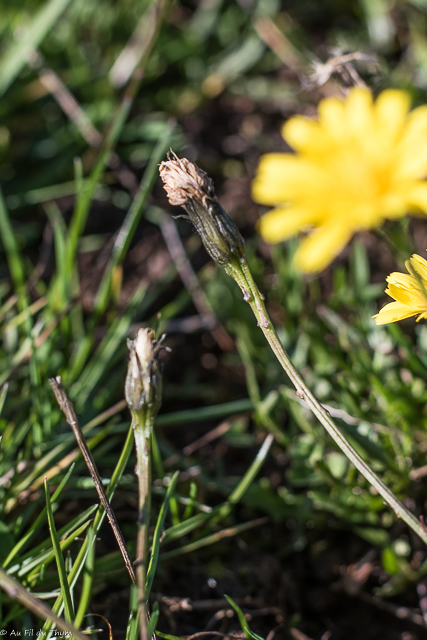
361, 163
409, 292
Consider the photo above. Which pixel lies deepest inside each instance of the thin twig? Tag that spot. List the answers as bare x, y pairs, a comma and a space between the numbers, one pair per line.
67, 408
417, 474
402, 613
298, 635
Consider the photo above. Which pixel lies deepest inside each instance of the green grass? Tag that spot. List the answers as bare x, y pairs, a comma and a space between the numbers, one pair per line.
83, 263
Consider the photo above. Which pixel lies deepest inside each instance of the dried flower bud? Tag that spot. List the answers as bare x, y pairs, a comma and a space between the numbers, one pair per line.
188, 186
143, 388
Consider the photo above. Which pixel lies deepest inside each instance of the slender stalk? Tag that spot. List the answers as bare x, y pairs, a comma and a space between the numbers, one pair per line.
240, 272
188, 186
142, 425
67, 408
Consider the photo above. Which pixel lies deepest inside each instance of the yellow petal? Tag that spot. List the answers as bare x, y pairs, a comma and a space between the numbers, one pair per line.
322, 246
416, 124
391, 109
417, 195
304, 135
361, 163
393, 205
332, 118
400, 279
392, 312
409, 297
283, 177
267, 186
280, 224
417, 266
412, 149
358, 112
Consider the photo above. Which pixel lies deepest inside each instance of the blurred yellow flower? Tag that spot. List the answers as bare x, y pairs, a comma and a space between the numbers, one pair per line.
409, 292
361, 163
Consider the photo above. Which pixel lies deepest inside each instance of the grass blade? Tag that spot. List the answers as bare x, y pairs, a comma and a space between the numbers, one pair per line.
31, 564
65, 588
249, 635
133, 622
153, 620
157, 535
99, 518
131, 221
13, 254
3, 394
221, 511
88, 575
205, 413
248, 478
185, 527
16, 57
27, 537
213, 538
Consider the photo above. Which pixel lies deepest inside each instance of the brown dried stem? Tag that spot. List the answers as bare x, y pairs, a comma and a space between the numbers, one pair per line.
67, 408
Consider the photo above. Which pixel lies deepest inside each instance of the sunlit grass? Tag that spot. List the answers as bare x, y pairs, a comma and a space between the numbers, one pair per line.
72, 234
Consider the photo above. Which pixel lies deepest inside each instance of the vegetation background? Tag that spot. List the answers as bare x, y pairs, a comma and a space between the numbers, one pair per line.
93, 94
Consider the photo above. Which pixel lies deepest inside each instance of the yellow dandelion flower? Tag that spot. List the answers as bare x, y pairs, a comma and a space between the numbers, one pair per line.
360, 163
408, 291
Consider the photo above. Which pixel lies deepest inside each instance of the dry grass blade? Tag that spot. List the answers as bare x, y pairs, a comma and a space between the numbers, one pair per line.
130, 56
341, 65
298, 635
70, 106
67, 408
17, 592
219, 431
65, 99
279, 43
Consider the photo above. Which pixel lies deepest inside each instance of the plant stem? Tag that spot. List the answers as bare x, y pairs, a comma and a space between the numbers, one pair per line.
240, 272
142, 423
191, 188
67, 408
